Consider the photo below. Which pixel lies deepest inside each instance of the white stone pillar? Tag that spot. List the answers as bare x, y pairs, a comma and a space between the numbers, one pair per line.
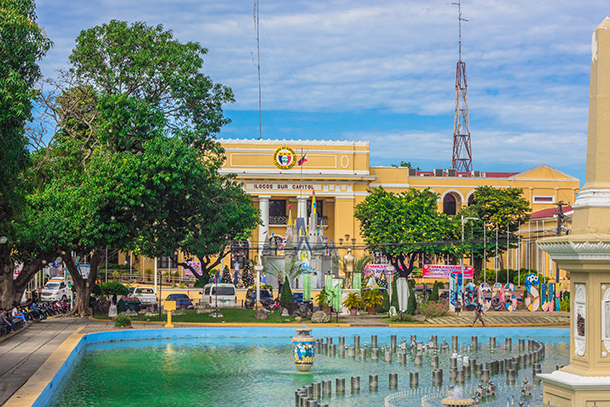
302, 207
263, 205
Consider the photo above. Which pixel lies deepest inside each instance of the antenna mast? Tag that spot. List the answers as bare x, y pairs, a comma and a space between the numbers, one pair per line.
462, 150
258, 55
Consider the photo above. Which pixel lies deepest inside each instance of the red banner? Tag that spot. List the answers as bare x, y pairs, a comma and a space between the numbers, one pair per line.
443, 270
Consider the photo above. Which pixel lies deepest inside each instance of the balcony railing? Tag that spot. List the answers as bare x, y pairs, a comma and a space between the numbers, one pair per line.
283, 220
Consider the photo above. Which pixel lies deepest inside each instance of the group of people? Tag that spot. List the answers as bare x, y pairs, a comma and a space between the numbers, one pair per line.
9, 317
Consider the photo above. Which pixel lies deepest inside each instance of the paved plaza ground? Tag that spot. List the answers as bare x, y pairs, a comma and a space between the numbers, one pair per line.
23, 353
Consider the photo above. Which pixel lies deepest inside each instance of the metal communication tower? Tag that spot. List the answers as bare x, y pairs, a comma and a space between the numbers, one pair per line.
462, 151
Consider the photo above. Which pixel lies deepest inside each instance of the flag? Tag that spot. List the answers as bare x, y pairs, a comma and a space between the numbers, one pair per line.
313, 202
303, 160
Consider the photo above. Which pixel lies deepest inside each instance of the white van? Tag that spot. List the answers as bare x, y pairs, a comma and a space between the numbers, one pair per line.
225, 293
55, 290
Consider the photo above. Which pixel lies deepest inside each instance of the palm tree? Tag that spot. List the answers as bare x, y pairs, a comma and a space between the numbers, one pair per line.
291, 270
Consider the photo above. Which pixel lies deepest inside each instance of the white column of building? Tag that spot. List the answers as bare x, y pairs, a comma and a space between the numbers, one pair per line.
302, 207
263, 206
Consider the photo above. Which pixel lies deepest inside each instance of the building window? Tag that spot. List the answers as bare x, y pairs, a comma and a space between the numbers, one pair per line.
167, 262
319, 208
544, 199
449, 205
277, 207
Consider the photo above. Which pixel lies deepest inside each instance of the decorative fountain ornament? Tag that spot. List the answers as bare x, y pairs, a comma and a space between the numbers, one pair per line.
455, 398
303, 345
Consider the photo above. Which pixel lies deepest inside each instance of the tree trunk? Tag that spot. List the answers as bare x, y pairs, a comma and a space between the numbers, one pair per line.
82, 286
11, 290
478, 267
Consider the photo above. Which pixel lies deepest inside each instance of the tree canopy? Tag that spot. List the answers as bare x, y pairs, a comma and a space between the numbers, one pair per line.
405, 224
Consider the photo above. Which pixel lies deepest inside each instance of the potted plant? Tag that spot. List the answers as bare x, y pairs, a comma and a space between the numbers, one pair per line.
372, 299
353, 302
325, 300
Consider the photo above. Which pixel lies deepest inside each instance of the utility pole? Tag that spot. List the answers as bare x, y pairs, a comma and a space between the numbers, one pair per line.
560, 220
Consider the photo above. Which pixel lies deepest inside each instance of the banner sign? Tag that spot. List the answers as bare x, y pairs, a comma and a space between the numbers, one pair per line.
195, 265
444, 271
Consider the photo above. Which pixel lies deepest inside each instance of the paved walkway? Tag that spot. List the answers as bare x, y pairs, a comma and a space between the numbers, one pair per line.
520, 318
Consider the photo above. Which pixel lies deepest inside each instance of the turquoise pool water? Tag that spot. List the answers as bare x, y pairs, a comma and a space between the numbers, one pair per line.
254, 367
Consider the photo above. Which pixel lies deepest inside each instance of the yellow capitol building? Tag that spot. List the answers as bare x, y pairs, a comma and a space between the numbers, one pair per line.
340, 174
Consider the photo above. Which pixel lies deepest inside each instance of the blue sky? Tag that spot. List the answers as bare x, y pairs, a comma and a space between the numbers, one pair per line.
384, 71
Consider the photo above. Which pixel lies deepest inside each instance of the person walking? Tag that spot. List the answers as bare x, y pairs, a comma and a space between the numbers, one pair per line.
478, 314
113, 307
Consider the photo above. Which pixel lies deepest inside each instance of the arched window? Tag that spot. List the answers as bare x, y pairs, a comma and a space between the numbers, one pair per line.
471, 200
449, 205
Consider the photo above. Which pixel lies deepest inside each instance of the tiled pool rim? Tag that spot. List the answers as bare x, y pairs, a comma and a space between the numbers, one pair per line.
260, 332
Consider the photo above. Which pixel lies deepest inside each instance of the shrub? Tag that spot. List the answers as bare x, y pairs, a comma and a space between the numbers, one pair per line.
402, 316
412, 303
122, 320
433, 309
372, 298
112, 287
353, 300
386, 302
434, 294
286, 298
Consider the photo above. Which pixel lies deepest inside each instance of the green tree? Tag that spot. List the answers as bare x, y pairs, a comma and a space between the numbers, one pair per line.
133, 158
403, 225
22, 44
498, 210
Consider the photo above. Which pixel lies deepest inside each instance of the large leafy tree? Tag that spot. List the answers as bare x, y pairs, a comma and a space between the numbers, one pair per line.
498, 211
133, 154
406, 224
22, 44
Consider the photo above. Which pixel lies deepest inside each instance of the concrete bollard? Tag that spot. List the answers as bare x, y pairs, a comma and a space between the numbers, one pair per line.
453, 362
413, 338
312, 403
435, 341
418, 359
373, 381
473, 363
340, 386
515, 366
521, 344
304, 401
333, 349
341, 351
434, 361
322, 404
393, 380
356, 341
521, 361
373, 341
351, 352
402, 358
467, 372
492, 342
342, 341
375, 354
297, 397
309, 390
501, 366
508, 343
388, 356
510, 375
452, 373
475, 342
362, 354
326, 388
459, 377
324, 348
530, 345
454, 342
355, 384
485, 375
393, 343
488, 366
478, 369
329, 340
414, 378
437, 377
317, 390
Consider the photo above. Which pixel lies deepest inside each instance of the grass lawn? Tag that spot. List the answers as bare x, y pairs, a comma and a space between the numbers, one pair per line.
238, 315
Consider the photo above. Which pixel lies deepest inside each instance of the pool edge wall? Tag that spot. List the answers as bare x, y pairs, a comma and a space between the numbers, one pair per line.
60, 362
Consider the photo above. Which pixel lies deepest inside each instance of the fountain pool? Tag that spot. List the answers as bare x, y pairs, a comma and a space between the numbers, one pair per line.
255, 367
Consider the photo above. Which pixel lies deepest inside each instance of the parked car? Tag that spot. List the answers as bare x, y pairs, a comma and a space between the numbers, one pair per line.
146, 295
223, 292
265, 297
55, 290
182, 301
